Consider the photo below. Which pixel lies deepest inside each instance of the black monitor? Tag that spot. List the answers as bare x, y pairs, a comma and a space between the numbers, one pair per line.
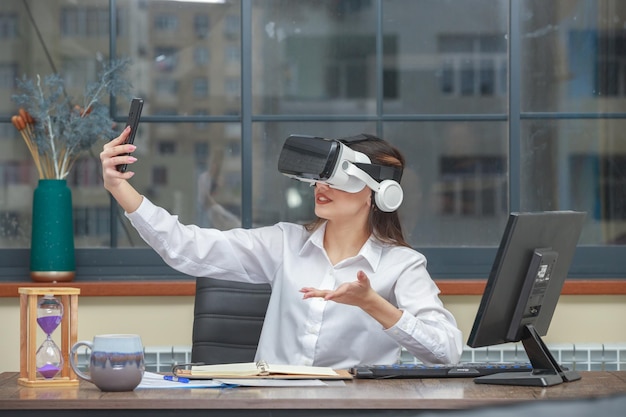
522, 291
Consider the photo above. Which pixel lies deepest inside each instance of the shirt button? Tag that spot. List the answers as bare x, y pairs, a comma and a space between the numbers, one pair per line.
312, 330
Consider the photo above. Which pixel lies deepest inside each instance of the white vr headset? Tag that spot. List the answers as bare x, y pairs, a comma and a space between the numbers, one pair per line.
312, 159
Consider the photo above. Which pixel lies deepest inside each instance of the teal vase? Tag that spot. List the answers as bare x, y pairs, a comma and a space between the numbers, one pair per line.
52, 239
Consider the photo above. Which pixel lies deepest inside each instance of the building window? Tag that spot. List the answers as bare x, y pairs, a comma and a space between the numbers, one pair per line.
473, 65
200, 87
604, 76
165, 59
347, 71
166, 22
201, 55
91, 221
201, 25
347, 79
232, 87
201, 150
159, 175
78, 72
8, 75
15, 172
166, 86
83, 21
232, 54
87, 172
608, 171
472, 186
167, 147
231, 26
8, 25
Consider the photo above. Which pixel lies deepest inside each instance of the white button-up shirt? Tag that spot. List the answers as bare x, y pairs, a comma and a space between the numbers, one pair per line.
313, 331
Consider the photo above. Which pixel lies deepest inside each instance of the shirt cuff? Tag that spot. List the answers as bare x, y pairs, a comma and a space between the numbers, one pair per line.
404, 326
145, 210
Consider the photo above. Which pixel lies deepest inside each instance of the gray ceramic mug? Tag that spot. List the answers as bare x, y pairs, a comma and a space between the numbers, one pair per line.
116, 362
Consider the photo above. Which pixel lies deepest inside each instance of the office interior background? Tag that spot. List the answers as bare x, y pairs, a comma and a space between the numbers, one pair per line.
498, 106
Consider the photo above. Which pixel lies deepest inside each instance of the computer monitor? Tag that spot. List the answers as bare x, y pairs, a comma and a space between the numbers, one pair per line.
522, 292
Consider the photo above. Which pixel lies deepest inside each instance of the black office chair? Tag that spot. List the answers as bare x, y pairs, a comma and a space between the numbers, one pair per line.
227, 322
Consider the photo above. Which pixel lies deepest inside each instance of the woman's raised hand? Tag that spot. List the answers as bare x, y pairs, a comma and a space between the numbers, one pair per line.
116, 153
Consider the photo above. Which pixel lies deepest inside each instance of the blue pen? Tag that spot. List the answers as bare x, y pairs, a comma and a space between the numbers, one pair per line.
175, 379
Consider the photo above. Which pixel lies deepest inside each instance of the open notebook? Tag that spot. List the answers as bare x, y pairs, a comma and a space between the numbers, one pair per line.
260, 369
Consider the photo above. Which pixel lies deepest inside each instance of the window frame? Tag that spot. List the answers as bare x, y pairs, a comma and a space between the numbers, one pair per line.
143, 264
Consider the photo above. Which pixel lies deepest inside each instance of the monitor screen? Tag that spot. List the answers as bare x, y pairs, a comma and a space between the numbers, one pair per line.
522, 291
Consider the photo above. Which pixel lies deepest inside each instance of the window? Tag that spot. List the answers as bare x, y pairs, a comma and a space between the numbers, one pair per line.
473, 65
78, 72
472, 186
166, 22
200, 87
166, 86
92, 222
167, 148
605, 76
232, 55
87, 172
165, 59
609, 174
8, 75
8, 25
481, 137
82, 21
159, 175
201, 25
202, 152
612, 187
232, 87
201, 55
15, 172
231, 26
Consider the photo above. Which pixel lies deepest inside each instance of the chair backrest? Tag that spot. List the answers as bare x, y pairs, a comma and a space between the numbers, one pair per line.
227, 322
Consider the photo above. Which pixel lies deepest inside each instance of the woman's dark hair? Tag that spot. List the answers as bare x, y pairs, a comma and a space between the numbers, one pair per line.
385, 226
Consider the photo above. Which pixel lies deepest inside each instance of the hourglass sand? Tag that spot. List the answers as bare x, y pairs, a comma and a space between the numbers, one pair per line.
48, 357
47, 309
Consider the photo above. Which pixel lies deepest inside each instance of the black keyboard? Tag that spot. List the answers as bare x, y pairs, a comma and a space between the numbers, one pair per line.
462, 370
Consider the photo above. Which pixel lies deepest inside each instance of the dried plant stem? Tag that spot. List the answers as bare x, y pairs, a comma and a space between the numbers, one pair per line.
57, 167
48, 168
50, 129
64, 158
22, 123
33, 151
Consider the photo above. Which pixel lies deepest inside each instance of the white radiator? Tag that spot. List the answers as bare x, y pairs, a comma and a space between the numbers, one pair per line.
581, 357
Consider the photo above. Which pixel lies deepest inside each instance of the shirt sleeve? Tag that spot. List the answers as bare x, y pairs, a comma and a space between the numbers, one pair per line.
434, 342
249, 255
426, 328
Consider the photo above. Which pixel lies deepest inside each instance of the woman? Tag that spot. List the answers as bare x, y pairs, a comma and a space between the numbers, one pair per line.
346, 290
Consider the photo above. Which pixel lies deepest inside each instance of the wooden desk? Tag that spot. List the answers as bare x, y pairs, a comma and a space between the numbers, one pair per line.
357, 397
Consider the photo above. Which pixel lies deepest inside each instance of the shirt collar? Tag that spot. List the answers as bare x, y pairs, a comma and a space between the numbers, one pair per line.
371, 251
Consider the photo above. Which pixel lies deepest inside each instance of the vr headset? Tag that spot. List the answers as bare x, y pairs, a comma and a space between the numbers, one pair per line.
330, 161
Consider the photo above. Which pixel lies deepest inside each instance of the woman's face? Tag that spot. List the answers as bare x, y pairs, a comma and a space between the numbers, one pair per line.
332, 204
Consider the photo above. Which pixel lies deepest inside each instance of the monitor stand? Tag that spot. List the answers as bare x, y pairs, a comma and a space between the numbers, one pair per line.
546, 370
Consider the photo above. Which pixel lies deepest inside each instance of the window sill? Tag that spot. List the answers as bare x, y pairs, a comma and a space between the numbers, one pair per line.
186, 287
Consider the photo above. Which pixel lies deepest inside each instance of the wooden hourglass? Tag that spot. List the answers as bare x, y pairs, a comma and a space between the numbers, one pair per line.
47, 309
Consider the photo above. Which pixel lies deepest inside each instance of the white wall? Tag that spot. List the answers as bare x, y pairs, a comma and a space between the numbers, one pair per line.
167, 321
